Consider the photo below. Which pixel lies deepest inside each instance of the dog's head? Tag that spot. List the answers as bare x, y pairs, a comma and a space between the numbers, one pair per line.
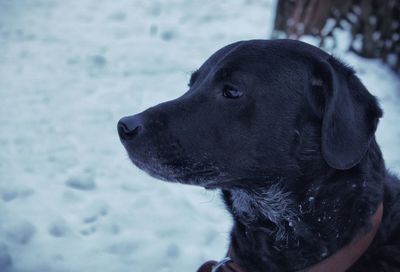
256, 110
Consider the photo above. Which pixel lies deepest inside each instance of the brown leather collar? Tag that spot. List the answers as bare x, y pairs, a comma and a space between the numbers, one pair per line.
337, 262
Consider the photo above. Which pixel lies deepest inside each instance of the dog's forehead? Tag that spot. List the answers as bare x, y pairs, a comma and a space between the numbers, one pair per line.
236, 54
253, 53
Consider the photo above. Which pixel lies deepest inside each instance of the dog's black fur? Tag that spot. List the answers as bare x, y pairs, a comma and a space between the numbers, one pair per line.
286, 131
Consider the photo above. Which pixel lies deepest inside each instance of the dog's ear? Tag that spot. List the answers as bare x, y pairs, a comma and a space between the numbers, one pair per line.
348, 111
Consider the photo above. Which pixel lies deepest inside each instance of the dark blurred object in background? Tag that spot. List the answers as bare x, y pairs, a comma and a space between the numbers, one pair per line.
374, 25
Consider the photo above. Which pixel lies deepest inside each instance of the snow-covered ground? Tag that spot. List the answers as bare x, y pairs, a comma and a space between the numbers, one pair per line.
69, 198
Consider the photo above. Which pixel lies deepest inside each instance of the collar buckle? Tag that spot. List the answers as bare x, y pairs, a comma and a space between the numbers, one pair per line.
221, 263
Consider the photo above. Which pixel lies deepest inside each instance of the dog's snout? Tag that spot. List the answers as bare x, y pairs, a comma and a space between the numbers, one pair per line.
129, 127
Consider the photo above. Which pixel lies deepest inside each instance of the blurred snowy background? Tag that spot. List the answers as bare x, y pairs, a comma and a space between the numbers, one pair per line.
69, 198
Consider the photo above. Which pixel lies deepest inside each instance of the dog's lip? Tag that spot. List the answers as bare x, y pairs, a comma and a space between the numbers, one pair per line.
228, 184
204, 173
237, 183
216, 185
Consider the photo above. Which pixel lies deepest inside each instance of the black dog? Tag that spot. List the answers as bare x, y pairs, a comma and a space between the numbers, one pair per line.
286, 131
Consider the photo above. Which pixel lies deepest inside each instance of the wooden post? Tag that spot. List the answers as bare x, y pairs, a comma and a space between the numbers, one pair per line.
374, 25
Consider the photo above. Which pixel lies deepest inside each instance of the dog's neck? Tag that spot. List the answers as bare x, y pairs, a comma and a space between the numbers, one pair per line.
297, 230
273, 205
296, 222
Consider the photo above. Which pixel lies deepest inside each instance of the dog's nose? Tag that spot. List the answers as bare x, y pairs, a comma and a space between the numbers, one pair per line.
129, 127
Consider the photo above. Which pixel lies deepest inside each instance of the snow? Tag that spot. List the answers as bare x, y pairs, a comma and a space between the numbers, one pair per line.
70, 200
81, 183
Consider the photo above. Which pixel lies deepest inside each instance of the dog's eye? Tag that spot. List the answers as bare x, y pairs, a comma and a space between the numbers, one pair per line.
231, 92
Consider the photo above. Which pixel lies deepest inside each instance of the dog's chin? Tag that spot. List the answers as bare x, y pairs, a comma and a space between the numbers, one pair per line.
207, 177
175, 173
153, 169
176, 176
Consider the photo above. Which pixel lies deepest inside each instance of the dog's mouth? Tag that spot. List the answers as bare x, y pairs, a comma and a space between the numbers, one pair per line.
219, 185
207, 175
169, 161
182, 171
238, 183
200, 177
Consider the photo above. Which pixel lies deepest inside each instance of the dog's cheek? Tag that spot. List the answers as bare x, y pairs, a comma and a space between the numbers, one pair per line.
247, 112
